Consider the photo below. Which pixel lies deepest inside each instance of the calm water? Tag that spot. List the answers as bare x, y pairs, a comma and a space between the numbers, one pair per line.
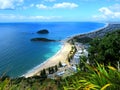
18, 54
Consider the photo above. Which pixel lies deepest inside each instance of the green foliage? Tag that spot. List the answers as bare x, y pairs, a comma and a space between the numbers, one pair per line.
105, 50
51, 70
4, 85
82, 67
56, 68
82, 39
97, 78
32, 83
72, 53
43, 74
60, 64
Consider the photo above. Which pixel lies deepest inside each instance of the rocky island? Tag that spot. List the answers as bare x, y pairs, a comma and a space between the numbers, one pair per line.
43, 31
43, 39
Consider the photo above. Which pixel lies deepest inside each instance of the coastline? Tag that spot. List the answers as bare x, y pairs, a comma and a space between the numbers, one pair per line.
87, 33
100, 32
60, 56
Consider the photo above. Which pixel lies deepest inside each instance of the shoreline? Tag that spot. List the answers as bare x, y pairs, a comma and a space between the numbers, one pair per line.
100, 32
51, 61
61, 55
87, 33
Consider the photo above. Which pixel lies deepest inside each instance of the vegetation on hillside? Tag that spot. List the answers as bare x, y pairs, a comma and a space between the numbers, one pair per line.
32, 83
102, 72
95, 78
105, 50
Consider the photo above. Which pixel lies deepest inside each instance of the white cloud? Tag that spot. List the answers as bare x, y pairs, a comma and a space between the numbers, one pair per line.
99, 17
114, 0
12, 17
44, 17
115, 7
49, 0
65, 5
41, 6
10, 4
105, 11
31, 5
27, 7
57, 5
109, 13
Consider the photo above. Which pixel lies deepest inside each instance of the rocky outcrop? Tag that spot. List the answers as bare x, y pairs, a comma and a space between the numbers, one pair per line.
44, 31
43, 39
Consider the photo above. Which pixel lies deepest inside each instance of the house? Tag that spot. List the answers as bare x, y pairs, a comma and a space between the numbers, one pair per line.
60, 73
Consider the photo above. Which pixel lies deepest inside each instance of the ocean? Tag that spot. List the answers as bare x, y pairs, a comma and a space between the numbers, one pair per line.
19, 55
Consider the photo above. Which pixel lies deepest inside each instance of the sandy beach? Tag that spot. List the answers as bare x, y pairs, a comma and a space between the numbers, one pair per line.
61, 55
64, 51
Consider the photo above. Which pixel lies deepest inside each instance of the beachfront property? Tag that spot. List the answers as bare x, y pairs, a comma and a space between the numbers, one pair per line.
81, 51
67, 70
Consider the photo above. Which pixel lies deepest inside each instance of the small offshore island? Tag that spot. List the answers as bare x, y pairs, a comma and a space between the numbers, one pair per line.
43, 39
43, 31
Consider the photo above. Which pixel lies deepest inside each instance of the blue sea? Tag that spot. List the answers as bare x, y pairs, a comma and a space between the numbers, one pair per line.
18, 55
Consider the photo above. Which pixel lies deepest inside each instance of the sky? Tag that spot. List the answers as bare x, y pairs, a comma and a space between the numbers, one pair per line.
59, 10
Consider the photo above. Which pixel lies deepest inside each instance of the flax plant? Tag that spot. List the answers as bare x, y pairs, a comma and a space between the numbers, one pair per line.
100, 77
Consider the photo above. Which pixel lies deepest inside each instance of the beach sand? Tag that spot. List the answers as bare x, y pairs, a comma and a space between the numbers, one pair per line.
60, 56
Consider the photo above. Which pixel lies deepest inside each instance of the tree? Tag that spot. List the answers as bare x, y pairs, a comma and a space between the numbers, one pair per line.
51, 70
43, 74
69, 59
83, 60
56, 68
105, 50
60, 64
